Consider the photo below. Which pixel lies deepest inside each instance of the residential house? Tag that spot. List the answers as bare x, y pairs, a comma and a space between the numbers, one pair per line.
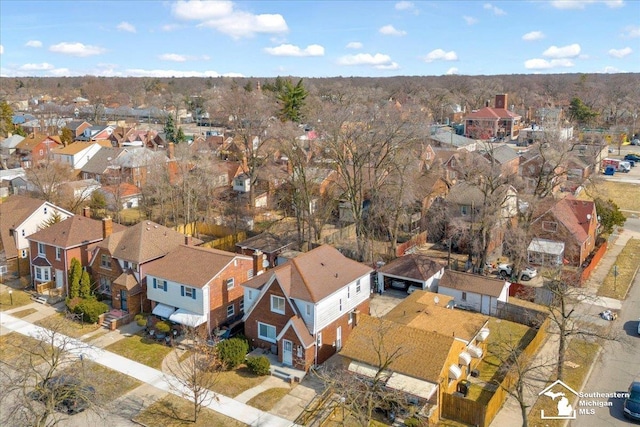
119, 262
137, 164
121, 196
264, 248
20, 217
53, 248
96, 132
570, 221
78, 127
452, 163
475, 292
209, 293
75, 155
540, 174
8, 146
505, 158
303, 309
36, 148
545, 252
100, 166
493, 122
447, 138
78, 191
414, 271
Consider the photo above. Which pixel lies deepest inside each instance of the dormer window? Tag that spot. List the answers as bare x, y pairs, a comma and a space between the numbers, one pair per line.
277, 304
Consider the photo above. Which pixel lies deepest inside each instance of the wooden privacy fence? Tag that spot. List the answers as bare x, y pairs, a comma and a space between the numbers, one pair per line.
225, 240
416, 240
597, 256
471, 412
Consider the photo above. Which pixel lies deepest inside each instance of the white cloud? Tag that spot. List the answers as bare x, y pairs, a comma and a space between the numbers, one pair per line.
452, 71
354, 45
441, 55
470, 20
569, 51
76, 49
172, 57
60, 72
389, 30
495, 9
581, 4
608, 69
533, 35
1, 49
125, 26
138, 72
543, 64
221, 16
33, 43
390, 66
631, 32
620, 53
36, 67
405, 5
376, 60
292, 50
169, 27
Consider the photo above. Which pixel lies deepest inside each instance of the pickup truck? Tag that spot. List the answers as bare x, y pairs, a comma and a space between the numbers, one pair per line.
527, 273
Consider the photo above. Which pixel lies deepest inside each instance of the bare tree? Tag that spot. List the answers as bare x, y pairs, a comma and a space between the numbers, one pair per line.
194, 375
47, 177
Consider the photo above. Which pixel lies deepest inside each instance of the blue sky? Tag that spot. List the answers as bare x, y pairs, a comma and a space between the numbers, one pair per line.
317, 38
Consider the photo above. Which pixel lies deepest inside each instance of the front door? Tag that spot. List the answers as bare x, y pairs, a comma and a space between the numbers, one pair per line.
123, 300
59, 278
287, 352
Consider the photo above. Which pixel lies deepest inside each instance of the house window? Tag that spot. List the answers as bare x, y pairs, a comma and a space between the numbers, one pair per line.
134, 266
348, 291
241, 305
41, 151
161, 284
340, 305
308, 309
266, 332
105, 285
230, 310
352, 315
58, 254
105, 261
45, 210
23, 253
24, 233
164, 285
230, 283
464, 296
358, 287
125, 264
277, 304
550, 226
250, 294
188, 292
43, 274
465, 209
40, 248
250, 273
319, 340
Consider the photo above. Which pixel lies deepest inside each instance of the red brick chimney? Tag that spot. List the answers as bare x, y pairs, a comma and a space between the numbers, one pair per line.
107, 227
86, 212
188, 240
501, 101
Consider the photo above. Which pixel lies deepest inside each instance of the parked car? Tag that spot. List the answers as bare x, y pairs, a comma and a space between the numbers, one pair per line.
633, 157
638, 326
67, 393
635, 141
632, 403
527, 273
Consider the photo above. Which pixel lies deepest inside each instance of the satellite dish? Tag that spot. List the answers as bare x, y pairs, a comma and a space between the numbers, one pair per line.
589, 217
436, 300
265, 263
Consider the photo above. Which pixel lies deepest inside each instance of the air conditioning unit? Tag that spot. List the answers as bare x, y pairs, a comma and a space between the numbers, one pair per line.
475, 373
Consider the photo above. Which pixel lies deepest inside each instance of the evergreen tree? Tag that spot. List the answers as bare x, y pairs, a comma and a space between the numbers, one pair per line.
609, 215
180, 136
54, 218
291, 99
6, 118
67, 136
170, 129
85, 285
581, 112
75, 275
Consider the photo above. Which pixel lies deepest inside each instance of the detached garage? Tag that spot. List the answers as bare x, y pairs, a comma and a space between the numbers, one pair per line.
410, 272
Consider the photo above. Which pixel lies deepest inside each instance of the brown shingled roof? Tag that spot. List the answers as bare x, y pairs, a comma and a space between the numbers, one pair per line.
210, 262
472, 283
13, 212
74, 231
413, 266
418, 353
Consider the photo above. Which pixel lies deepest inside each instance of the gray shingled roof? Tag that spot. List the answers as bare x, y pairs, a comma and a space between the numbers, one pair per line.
100, 161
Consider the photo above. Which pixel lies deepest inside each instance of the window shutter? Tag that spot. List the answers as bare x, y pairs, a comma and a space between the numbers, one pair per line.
182, 290
155, 283
193, 293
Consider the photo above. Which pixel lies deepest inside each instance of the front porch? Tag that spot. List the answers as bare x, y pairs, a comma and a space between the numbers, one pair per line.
278, 369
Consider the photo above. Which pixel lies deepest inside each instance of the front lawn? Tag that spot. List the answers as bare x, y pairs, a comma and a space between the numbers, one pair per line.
232, 383
619, 192
14, 299
627, 264
268, 398
172, 411
61, 324
141, 349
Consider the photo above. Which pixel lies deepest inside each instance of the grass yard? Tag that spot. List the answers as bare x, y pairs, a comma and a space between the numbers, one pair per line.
232, 383
172, 411
109, 384
71, 328
141, 349
268, 398
12, 346
580, 353
24, 313
619, 192
17, 298
627, 264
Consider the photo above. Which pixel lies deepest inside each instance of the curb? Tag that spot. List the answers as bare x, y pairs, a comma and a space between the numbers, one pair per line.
586, 379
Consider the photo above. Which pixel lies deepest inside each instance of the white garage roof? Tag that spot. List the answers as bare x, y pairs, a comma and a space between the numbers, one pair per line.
545, 246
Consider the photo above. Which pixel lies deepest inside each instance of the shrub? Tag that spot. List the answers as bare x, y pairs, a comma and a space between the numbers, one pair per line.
412, 422
259, 365
232, 352
91, 309
73, 302
163, 327
141, 319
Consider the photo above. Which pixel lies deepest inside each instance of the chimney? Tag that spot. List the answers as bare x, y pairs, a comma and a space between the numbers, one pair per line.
501, 101
107, 227
486, 103
171, 150
188, 240
86, 212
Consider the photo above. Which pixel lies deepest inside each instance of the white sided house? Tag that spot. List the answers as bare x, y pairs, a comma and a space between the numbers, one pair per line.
474, 292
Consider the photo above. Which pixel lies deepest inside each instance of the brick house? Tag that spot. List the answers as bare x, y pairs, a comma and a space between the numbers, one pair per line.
209, 294
53, 248
493, 122
119, 262
36, 148
302, 310
20, 217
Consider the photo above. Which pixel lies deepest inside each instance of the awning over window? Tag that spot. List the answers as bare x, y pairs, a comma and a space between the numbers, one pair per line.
464, 358
454, 372
163, 310
188, 318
